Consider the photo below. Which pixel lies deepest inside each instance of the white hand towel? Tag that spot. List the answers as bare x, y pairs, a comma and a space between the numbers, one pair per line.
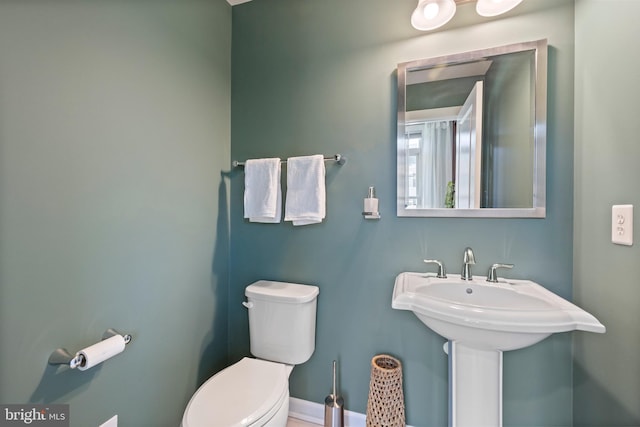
306, 195
262, 191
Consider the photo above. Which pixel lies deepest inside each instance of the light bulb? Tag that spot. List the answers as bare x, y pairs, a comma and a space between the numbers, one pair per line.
431, 10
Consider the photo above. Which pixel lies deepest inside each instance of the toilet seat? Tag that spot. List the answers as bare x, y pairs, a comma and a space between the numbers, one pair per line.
247, 393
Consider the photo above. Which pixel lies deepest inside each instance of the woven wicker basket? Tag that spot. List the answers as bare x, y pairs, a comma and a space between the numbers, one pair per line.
385, 407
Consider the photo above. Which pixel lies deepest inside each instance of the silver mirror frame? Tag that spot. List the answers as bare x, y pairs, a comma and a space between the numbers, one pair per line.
540, 133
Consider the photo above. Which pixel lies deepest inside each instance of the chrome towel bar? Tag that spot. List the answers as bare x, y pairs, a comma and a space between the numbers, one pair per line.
338, 158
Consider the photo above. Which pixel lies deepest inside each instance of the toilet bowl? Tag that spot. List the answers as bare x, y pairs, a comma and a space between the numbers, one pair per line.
255, 392
251, 392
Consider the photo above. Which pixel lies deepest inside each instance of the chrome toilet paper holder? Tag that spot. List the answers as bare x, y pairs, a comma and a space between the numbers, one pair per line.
61, 356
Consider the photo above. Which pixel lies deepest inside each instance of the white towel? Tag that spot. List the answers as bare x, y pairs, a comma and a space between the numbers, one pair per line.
262, 192
306, 195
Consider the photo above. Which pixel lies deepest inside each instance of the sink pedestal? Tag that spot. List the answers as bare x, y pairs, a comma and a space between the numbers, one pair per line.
475, 386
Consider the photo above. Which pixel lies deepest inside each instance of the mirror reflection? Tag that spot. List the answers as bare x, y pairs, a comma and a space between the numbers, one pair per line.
471, 133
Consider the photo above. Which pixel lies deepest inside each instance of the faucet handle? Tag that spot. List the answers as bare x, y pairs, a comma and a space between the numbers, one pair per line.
492, 276
442, 273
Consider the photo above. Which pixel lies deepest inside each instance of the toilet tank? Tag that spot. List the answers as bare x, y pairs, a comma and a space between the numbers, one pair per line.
282, 320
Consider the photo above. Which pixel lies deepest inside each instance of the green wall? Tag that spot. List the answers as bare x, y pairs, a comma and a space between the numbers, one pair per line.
509, 132
319, 77
114, 126
439, 94
606, 276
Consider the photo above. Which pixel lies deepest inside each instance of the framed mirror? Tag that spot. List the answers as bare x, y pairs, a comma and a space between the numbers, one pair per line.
472, 134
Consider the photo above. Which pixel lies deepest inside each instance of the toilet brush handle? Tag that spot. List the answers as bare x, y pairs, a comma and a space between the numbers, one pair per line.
334, 380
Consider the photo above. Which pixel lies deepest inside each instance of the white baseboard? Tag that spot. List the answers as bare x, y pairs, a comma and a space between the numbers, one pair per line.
314, 413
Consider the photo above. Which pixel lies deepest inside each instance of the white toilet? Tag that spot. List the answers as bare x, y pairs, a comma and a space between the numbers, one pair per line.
255, 392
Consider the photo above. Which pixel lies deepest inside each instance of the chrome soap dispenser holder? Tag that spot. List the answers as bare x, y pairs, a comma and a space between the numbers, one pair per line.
371, 205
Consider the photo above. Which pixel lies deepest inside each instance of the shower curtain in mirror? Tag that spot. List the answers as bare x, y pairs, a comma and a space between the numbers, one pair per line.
437, 163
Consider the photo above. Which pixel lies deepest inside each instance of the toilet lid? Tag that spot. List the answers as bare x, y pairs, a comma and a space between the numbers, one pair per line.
239, 395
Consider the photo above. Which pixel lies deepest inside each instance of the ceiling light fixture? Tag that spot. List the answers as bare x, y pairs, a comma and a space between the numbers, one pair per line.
432, 14
495, 7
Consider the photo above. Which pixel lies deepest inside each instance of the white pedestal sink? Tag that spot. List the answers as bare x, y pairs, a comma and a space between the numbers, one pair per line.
481, 320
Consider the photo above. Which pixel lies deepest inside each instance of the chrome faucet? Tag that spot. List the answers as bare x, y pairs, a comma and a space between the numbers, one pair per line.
467, 259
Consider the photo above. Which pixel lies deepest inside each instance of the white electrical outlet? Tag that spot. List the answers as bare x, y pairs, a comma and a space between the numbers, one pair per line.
622, 225
111, 422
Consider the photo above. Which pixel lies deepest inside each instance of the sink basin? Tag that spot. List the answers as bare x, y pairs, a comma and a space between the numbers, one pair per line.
507, 315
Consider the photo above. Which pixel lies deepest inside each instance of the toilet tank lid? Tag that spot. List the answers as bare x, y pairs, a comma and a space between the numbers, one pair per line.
281, 291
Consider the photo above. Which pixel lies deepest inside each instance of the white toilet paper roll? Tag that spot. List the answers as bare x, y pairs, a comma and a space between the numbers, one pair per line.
98, 353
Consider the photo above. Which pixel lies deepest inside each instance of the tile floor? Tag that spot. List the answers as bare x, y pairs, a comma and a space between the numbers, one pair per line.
294, 422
